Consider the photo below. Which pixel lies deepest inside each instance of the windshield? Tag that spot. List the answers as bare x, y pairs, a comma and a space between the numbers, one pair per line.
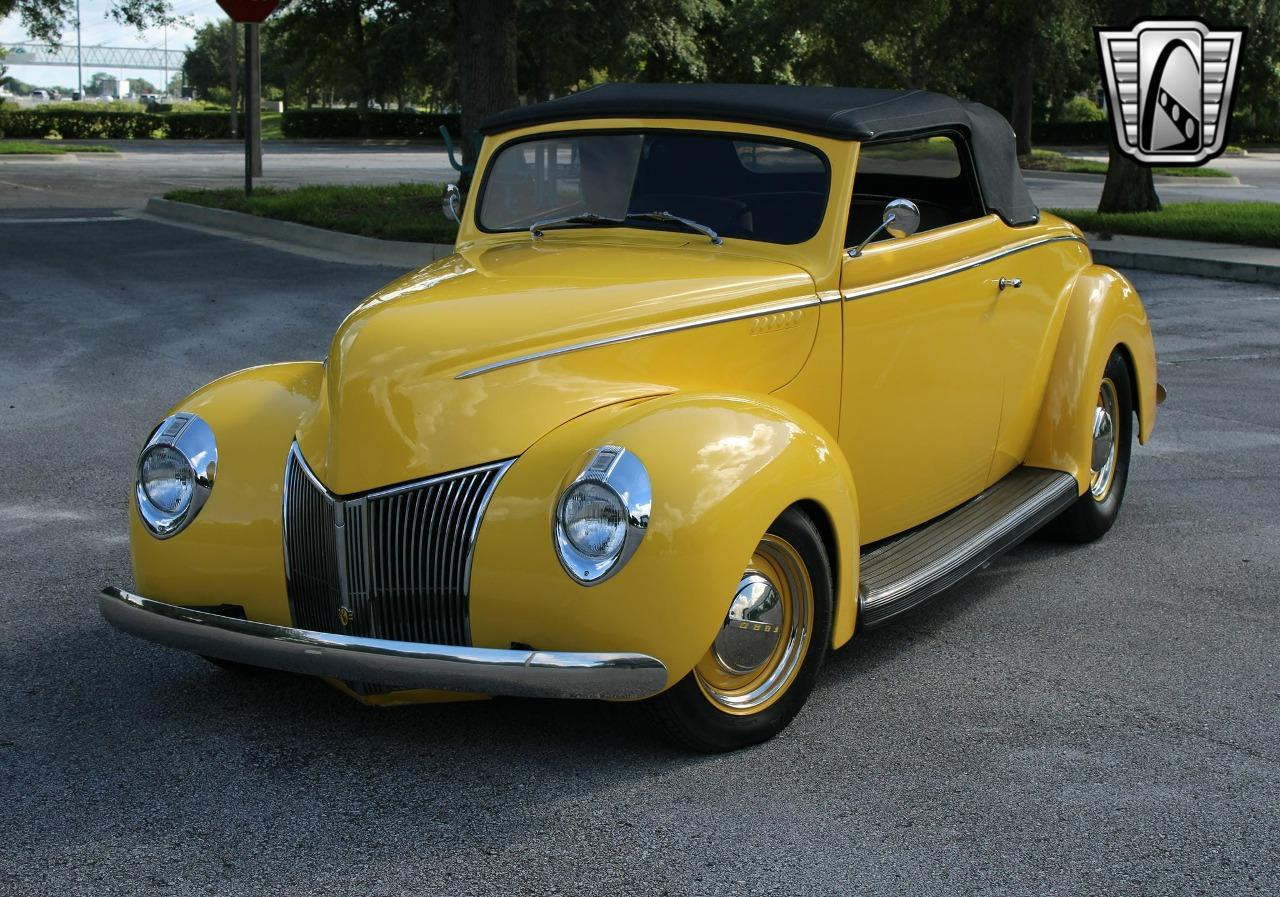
745, 187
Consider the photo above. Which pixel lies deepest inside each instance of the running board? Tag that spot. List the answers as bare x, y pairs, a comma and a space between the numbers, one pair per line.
900, 574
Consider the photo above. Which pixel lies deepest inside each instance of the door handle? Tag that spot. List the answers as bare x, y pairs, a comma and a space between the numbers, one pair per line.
1015, 282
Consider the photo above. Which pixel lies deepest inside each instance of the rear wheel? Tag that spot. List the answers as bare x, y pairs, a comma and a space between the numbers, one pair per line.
762, 665
1111, 442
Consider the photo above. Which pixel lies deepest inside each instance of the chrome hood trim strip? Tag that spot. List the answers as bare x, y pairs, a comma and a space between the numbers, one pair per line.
705, 321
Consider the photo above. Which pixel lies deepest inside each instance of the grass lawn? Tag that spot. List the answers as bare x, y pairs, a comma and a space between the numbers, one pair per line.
1251, 223
1048, 160
409, 212
46, 147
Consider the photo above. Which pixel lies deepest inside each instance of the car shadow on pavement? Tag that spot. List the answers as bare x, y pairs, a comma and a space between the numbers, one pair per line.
946, 610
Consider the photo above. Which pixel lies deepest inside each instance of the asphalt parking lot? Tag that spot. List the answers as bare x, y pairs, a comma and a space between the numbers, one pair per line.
1071, 721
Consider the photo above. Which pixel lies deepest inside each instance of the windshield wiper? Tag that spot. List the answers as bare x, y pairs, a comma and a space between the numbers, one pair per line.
687, 222
536, 229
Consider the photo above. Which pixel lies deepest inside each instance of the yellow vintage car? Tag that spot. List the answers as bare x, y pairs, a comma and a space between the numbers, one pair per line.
716, 376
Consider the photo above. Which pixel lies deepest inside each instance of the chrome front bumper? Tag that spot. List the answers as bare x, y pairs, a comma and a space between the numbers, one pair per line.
496, 671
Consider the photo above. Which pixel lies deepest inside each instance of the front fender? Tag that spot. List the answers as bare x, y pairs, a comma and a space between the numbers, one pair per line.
722, 469
1105, 313
234, 551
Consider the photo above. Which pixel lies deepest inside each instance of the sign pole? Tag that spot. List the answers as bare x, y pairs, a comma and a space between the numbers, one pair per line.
255, 113
248, 103
251, 13
252, 109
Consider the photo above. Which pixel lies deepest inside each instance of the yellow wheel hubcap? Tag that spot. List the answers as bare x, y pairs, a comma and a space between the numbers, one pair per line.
765, 635
1106, 442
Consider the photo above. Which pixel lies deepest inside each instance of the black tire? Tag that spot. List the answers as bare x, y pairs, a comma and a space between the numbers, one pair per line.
233, 666
1090, 517
690, 717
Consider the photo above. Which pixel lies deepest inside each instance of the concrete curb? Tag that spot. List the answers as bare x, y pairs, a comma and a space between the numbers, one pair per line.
1164, 180
1175, 261
43, 158
366, 249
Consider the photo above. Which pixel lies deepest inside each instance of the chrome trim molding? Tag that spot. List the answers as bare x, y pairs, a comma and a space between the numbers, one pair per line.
908, 570
706, 321
622, 472
956, 269
499, 671
194, 440
788, 305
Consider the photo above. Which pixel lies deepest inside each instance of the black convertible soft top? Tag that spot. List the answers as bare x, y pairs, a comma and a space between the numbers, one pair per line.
847, 113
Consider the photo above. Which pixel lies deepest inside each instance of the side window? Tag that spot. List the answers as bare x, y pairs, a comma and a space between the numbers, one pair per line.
933, 172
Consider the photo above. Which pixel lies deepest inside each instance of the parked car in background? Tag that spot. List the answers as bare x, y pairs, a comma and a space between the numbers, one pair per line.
715, 377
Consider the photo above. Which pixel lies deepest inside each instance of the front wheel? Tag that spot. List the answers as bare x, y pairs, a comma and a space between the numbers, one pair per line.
762, 665
1111, 441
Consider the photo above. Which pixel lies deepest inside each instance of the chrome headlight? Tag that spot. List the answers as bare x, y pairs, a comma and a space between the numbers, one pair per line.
175, 474
602, 515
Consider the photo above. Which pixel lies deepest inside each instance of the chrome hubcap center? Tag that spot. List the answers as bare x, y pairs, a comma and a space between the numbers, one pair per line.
1102, 459
1103, 436
752, 627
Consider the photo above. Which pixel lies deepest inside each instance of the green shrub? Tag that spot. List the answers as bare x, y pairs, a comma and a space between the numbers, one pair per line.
321, 124
198, 125
1081, 108
1077, 133
1071, 133
77, 124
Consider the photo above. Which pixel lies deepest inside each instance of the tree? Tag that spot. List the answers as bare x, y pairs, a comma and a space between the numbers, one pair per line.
665, 39
560, 43
1129, 187
487, 52
755, 42
45, 19
1258, 84
411, 52
1045, 50
207, 62
331, 44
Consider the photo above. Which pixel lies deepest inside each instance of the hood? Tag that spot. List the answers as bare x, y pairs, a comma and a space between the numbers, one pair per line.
403, 399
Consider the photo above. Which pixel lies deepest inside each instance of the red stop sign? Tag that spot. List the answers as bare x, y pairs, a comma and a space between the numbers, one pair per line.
251, 11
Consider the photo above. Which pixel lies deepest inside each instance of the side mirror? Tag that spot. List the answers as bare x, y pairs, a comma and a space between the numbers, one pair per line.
901, 219
451, 203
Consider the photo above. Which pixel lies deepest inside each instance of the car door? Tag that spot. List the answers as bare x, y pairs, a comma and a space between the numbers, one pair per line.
922, 381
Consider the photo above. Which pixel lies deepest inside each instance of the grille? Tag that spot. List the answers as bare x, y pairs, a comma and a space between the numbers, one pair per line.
394, 564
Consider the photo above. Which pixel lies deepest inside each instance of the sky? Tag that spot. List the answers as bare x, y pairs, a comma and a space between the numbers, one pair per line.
99, 29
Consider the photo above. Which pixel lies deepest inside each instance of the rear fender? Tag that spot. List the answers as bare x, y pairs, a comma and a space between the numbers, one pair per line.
1105, 313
